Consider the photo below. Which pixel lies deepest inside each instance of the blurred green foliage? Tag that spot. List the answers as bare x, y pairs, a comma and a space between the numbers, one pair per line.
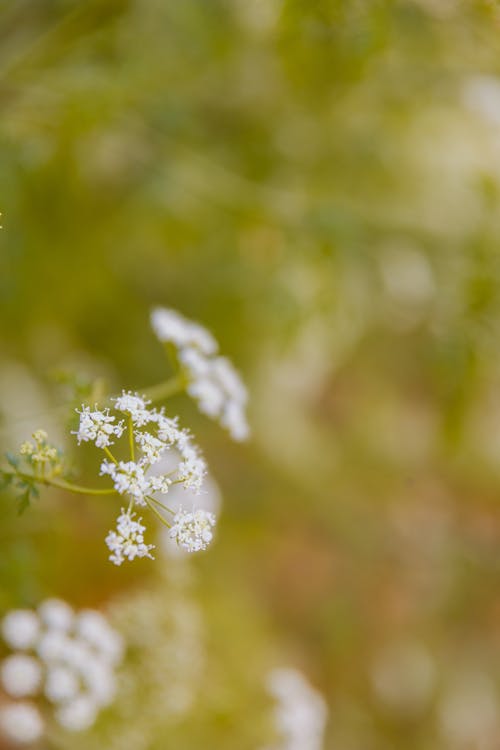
318, 183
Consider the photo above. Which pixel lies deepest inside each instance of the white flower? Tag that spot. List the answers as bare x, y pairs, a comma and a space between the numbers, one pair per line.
74, 670
20, 628
193, 531
100, 682
212, 381
127, 542
135, 406
21, 675
160, 483
192, 469
174, 328
128, 478
93, 627
234, 420
301, 712
61, 684
56, 614
53, 646
219, 391
21, 722
179, 496
76, 654
98, 427
168, 429
151, 447
78, 714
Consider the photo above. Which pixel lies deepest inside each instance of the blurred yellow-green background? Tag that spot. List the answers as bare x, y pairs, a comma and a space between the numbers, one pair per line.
318, 183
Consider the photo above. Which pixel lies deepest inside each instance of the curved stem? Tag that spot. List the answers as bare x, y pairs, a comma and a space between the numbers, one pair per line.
166, 389
62, 484
78, 488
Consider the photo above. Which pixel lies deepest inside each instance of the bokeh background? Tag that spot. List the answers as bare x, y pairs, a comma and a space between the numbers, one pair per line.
319, 184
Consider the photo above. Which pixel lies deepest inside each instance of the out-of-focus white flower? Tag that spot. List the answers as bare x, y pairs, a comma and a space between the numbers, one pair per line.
301, 712
219, 391
127, 542
78, 714
93, 627
99, 681
21, 722
193, 530
73, 663
20, 628
172, 327
21, 675
56, 614
52, 646
212, 380
61, 684
97, 427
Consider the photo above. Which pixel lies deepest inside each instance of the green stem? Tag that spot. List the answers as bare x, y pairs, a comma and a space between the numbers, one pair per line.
152, 507
60, 483
110, 455
131, 438
78, 488
164, 390
165, 507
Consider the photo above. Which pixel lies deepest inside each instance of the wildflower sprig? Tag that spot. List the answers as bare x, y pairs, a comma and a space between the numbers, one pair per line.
149, 435
138, 441
38, 462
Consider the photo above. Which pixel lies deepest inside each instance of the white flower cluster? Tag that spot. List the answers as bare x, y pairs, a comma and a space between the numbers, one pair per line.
193, 530
69, 658
212, 380
301, 712
127, 542
179, 498
97, 427
155, 435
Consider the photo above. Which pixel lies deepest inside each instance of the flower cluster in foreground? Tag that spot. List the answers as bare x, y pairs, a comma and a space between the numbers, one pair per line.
151, 435
68, 658
300, 713
211, 379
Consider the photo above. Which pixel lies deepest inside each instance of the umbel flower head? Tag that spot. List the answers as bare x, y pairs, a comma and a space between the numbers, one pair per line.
193, 530
62, 659
212, 380
127, 542
44, 457
151, 435
301, 713
98, 427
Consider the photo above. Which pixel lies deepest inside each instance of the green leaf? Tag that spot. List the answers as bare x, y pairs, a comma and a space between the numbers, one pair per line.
24, 502
12, 459
5, 479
